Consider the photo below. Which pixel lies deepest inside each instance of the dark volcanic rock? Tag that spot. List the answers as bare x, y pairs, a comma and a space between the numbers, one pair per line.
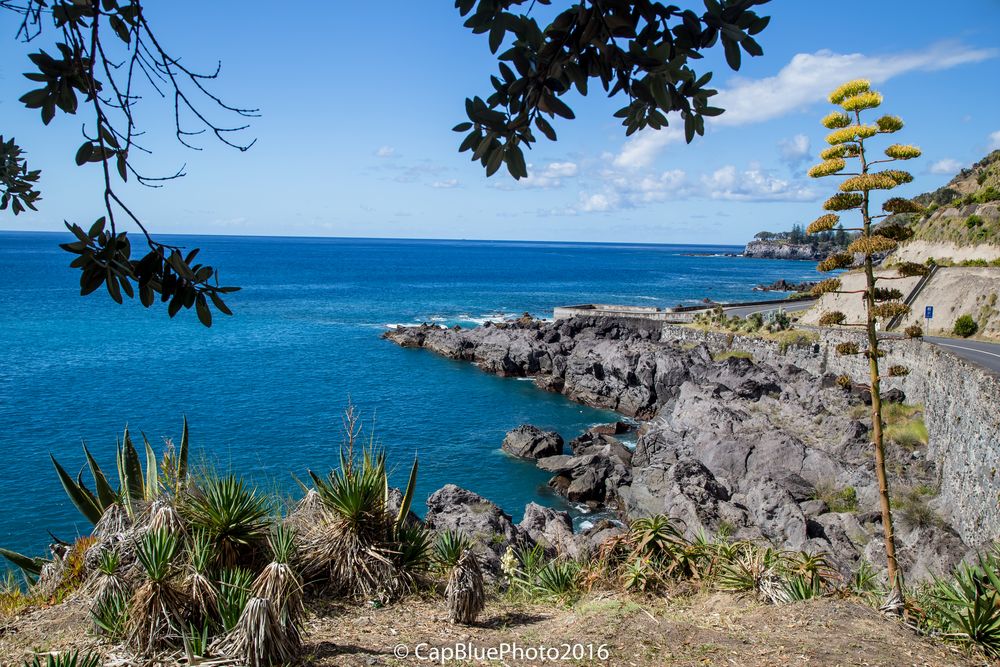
531, 442
550, 528
457, 509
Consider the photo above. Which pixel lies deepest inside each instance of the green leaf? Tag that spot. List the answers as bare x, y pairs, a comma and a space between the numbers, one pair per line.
219, 303
462, 127
83, 153
557, 106
545, 128
201, 307
132, 470
76, 495
732, 50
497, 33
404, 505
152, 480
494, 161
182, 455
105, 493
32, 566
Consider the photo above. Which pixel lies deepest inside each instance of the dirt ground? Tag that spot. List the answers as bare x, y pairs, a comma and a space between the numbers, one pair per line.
706, 629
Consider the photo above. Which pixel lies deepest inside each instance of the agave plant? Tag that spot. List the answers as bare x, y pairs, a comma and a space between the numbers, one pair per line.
232, 513
967, 605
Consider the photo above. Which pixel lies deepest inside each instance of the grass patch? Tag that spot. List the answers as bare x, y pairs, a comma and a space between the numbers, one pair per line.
793, 338
843, 499
912, 505
732, 354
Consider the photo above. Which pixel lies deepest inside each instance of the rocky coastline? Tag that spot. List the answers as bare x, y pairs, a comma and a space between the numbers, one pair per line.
757, 451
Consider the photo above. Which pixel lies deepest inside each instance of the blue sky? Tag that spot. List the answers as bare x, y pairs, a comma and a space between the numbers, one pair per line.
358, 98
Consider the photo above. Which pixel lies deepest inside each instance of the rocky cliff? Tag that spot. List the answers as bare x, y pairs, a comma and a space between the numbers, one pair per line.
764, 451
783, 250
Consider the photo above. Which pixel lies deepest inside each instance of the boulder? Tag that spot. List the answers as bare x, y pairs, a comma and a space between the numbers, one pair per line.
550, 528
530, 442
460, 510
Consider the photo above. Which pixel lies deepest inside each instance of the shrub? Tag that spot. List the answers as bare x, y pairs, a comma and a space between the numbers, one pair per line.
973, 221
847, 348
844, 381
914, 331
966, 606
898, 371
232, 513
965, 326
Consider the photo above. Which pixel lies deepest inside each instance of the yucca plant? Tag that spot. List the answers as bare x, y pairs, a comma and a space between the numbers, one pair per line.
198, 581
448, 548
966, 606
234, 591
73, 659
848, 142
157, 610
558, 580
267, 632
357, 545
758, 571
233, 515
465, 592
109, 582
110, 615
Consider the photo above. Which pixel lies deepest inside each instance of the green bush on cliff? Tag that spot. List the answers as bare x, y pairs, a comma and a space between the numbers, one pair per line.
965, 326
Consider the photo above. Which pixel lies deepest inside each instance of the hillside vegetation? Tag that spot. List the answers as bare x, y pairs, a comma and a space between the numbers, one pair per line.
964, 212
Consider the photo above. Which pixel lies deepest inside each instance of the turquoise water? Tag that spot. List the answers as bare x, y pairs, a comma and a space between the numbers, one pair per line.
264, 390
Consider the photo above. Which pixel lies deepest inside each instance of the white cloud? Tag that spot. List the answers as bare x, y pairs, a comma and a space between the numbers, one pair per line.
995, 141
753, 184
945, 166
794, 151
598, 203
385, 151
445, 184
808, 77
547, 178
642, 149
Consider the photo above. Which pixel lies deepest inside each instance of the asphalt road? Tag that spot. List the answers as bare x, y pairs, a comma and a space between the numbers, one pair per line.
790, 307
978, 352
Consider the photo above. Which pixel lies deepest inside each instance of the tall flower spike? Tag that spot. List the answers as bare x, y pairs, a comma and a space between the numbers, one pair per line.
889, 123
827, 168
835, 120
823, 223
849, 89
902, 152
851, 133
843, 202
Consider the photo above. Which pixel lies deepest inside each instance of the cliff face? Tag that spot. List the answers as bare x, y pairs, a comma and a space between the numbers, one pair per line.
782, 250
760, 448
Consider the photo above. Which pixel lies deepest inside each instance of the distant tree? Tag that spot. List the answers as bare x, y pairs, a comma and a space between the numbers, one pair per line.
797, 235
847, 142
840, 237
764, 236
104, 51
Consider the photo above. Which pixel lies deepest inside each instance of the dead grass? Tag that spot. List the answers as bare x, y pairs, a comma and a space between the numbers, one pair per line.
704, 629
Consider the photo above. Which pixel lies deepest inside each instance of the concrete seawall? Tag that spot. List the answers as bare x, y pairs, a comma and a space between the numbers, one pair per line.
961, 410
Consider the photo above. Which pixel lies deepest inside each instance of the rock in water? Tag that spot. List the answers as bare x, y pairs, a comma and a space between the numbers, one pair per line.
530, 442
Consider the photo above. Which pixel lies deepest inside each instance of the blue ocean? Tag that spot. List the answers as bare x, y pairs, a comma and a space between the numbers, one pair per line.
264, 390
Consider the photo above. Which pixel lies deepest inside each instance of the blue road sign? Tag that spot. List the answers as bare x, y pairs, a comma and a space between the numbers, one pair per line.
928, 312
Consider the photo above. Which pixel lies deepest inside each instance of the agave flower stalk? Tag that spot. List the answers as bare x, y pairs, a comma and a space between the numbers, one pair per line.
856, 196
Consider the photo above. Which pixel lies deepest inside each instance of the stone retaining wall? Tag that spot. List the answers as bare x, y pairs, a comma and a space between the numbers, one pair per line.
961, 411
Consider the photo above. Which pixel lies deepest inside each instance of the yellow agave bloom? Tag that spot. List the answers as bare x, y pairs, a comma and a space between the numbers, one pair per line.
823, 223
832, 152
849, 89
890, 309
865, 182
887, 294
835, 119
843, 202
851, 133
902, 151
869, 245
847, 348
911, 269
826, 286
840, 260
900, 205
889, 124
898, 175
832, 318
862, 101
826, 168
